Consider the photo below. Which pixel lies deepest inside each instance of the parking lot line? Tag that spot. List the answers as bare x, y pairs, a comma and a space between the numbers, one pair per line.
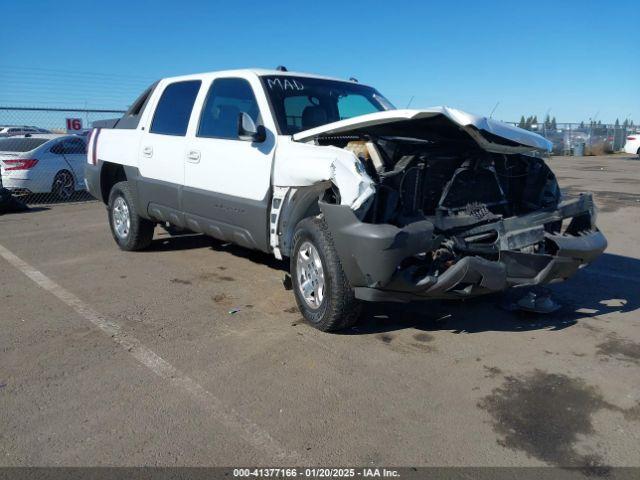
246, 429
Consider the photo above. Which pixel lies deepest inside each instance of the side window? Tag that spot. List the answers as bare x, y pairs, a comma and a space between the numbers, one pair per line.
227, 98
174, 108
74, 146
69, 146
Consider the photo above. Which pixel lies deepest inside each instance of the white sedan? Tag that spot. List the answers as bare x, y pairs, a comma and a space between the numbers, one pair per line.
633, 144
43, 163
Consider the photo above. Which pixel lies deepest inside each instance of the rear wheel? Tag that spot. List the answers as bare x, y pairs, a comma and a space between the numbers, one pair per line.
321, 289
63, 186
129, 230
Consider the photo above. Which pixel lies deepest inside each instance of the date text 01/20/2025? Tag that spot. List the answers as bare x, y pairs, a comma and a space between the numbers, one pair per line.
316, 472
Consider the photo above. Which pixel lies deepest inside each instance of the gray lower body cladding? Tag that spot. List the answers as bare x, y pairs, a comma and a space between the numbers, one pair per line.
373, 255
225, 217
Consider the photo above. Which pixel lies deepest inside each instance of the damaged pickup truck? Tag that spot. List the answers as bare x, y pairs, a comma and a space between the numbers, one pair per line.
368, 202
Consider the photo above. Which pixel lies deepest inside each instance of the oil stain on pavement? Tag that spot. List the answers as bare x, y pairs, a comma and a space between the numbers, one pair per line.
543, 414
492, 372
423, 337
619, 348
418, 344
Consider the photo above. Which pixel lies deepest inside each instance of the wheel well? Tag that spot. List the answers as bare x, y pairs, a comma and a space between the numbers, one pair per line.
303, 204
62, 170
110, 174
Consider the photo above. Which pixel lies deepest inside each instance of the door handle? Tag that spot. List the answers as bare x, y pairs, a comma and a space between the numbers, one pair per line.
147, 151
193, 156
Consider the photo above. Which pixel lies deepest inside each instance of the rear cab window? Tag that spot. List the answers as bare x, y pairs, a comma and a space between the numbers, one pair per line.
174, 108
131, 119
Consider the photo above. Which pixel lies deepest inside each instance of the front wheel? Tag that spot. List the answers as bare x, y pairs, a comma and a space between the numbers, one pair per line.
321, 289
129, 230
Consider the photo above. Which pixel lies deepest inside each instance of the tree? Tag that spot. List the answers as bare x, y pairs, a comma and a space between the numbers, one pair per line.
617, 123
547, 122
582, 124
522, 123
531, 120
554, 125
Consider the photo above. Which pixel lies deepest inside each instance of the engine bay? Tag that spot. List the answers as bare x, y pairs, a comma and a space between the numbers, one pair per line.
453, 186
460, 189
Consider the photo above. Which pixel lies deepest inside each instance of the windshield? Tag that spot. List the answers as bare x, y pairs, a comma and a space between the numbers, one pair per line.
301, 103
20, 144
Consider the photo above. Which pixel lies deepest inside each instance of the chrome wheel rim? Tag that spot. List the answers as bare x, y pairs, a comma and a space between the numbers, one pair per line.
121, 218
63, 185
310, 275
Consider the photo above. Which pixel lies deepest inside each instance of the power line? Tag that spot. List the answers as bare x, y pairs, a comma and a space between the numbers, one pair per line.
72, 72
54, 109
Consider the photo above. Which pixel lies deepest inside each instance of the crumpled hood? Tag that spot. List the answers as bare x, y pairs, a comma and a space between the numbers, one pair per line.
491, 135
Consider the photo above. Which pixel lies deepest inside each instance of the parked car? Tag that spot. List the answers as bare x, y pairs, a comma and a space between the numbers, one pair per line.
43, 163
632, 144
368, 203
14, 130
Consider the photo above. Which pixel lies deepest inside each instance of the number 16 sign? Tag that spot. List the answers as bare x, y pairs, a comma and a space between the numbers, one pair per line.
74, 125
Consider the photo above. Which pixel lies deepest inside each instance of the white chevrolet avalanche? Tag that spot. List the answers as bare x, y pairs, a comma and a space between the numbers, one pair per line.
368, 202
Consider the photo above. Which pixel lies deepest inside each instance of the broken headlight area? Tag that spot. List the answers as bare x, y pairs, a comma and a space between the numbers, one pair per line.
449, 219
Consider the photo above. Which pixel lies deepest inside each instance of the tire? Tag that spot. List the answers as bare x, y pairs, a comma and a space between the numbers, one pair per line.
63, 186
330, 304
130, 231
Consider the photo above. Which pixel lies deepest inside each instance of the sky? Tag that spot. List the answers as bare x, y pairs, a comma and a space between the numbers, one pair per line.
576, 60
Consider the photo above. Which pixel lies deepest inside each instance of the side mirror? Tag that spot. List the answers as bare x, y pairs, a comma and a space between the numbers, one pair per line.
248, 131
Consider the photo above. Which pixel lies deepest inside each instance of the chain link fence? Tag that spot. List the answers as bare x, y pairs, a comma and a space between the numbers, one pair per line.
582, 139
43, 152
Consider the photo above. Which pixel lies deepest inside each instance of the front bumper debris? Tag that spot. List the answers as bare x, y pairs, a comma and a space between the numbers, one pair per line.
372, 254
